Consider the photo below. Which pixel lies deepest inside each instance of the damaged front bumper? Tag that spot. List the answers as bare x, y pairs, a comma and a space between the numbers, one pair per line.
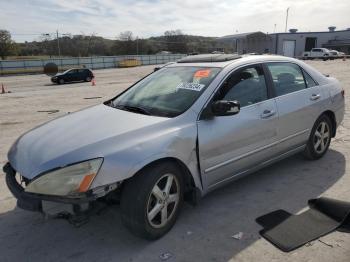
38, 202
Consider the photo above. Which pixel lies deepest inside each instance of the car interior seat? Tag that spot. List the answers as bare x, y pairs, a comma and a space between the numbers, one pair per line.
247, 89
285, 84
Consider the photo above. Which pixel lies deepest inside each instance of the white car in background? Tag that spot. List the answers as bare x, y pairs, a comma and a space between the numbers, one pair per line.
337, 54
321, 53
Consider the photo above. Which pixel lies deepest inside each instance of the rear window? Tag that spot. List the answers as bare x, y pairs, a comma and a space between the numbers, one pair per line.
287, 78
308, 79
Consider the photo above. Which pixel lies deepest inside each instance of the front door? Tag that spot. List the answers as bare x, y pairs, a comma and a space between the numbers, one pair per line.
229, 145
72, 75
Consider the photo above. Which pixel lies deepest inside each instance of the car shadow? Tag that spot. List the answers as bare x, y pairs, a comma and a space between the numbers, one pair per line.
202, 233
66, 84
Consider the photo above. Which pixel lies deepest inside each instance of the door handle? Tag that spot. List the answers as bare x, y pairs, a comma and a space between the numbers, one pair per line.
315, 97
267, 113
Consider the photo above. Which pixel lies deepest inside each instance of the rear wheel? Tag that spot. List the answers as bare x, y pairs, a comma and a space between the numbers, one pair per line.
151, 200
88, 79
320, 138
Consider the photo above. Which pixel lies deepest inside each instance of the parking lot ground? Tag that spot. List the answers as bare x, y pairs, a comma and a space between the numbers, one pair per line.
202, 233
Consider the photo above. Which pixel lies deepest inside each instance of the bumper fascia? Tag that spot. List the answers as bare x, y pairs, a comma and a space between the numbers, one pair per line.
33, 202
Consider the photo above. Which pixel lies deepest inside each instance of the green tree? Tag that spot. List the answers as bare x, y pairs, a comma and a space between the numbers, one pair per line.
7, 46
176, 41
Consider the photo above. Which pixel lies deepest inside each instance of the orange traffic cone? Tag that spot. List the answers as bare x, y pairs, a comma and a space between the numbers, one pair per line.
2, 89
93, 82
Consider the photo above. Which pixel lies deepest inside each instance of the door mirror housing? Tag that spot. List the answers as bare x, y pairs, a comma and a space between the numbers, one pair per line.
225, 108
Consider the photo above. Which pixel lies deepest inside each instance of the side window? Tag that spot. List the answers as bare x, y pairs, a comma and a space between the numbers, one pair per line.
247, 86
287, 78
308, 79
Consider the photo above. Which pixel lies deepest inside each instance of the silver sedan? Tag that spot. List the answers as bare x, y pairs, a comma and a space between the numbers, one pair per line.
178, 133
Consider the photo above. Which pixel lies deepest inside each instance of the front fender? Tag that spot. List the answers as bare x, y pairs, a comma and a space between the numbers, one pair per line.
178, 143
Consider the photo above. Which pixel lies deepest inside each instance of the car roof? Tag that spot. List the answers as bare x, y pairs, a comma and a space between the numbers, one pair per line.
209, 58
77, 68
219, 60
256, 59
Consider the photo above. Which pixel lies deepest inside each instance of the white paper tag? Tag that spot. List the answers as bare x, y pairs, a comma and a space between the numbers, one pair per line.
191, 86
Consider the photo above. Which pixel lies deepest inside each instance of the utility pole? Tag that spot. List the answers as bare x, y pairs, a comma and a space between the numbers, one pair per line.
58, 45
286, 20
137, 45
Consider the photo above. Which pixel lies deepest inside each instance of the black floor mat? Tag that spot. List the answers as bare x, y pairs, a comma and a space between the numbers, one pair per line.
288, 232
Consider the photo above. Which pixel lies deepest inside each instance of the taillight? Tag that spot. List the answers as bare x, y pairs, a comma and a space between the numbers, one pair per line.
343, 93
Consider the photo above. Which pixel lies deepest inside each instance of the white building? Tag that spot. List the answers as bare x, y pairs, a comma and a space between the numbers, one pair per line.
291, 44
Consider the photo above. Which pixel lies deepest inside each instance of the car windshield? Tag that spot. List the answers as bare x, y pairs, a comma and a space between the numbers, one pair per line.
65, 72
168, 92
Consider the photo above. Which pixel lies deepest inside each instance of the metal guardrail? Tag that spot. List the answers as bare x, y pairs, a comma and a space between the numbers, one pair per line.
99, 62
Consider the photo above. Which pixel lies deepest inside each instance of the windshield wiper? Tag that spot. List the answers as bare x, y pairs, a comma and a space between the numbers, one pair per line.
136, 109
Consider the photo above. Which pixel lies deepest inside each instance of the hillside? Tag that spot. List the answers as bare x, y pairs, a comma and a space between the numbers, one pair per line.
126, 44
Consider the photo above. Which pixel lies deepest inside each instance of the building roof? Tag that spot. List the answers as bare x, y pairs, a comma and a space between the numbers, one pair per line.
240, 36
317, 32
251, 34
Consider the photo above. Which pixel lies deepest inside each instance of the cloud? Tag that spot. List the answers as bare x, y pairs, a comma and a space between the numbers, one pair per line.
27, 19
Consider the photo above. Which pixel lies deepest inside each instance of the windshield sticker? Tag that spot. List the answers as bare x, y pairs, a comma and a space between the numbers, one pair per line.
191, 86
202, 73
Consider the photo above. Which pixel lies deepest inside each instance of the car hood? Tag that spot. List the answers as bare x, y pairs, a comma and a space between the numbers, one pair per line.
75, 137
58, 74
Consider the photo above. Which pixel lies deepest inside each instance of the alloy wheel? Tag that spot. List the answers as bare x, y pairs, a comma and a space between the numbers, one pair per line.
163, 201
321, 137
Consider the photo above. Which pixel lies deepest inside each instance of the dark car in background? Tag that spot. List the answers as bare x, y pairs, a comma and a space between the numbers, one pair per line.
73, 75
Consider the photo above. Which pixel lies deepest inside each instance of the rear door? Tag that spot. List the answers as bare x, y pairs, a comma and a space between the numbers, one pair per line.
295, 103
229, 145
82, 74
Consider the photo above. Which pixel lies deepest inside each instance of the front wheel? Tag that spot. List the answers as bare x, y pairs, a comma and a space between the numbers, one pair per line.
151, 200
320, 138
61, 81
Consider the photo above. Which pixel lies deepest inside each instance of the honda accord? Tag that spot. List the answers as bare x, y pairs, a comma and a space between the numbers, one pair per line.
174, 136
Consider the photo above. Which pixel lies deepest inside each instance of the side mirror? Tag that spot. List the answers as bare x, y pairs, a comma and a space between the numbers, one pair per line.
156, 69
225, 108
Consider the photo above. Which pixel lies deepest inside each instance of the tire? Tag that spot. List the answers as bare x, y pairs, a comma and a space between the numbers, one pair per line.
61, 81
88, 79
315, 148
140, 196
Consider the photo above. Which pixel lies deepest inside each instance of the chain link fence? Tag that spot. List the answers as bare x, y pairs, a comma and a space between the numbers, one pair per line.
99, 62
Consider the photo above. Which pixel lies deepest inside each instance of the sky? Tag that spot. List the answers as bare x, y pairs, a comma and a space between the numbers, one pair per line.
27, 20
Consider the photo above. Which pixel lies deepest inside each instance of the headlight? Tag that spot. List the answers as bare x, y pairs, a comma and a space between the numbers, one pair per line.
70, 180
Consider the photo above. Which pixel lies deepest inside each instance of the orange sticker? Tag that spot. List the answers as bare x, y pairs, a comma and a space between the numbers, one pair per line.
202, 73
